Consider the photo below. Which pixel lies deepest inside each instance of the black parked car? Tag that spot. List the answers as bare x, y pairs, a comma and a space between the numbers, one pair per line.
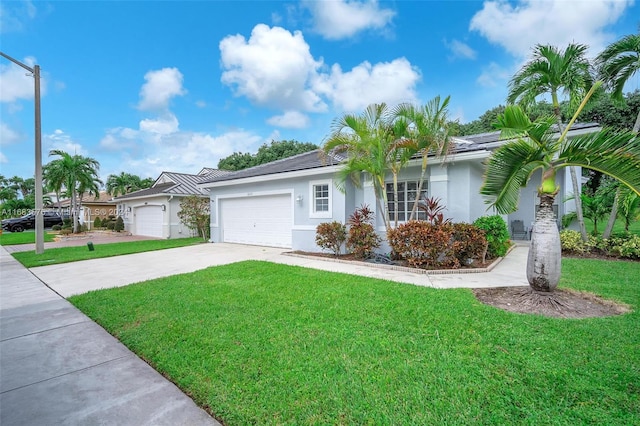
28, 221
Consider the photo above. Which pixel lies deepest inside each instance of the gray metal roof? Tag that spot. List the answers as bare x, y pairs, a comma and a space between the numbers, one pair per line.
172, 183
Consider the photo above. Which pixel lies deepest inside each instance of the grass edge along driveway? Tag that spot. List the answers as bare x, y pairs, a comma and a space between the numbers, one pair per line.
55, 256
261, 343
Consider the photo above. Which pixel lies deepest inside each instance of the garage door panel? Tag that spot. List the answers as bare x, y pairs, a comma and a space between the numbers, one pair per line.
263, 220
149, 221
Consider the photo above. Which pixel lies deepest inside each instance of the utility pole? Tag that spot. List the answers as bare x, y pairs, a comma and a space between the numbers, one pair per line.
35, 71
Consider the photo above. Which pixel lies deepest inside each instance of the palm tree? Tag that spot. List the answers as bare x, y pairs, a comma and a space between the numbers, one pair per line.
616, 64
76, 175
369, 144
428, 132
549, 71
123, 183
533, 148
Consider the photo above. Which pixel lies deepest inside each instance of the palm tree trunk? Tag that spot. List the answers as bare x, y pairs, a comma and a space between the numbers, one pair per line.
578, 201
395, 199
423, 172
636, 126
544, 260
612, 216
574, 179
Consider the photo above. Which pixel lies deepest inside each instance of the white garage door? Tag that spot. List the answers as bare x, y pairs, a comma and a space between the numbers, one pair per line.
264, 221
148, 221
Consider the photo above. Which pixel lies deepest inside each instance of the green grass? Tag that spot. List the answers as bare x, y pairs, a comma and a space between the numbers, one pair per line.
26, 237
72, 254
260, 343
618, 227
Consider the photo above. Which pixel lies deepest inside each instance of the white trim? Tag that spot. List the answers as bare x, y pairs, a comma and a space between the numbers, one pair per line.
303, 228
274, 176
216, 200
312, 201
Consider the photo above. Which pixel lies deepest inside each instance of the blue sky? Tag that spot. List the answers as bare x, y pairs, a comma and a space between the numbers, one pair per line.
148, 86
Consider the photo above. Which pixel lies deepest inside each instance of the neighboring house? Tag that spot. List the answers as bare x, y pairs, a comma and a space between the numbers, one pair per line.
91, 207
281, 203
153, 212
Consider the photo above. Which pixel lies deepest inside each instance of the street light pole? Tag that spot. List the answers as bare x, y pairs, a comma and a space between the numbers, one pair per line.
38, 154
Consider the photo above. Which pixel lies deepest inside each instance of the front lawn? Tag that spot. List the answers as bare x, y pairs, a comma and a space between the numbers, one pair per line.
262, 343
26, 237
72, 254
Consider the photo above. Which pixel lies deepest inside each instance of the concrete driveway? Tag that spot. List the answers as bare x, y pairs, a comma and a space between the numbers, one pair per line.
79, 277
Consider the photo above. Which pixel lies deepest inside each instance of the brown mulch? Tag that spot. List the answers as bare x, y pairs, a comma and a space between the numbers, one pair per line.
561, 303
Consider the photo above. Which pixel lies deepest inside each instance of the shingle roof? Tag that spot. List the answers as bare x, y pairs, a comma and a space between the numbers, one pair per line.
308, 160
316, 158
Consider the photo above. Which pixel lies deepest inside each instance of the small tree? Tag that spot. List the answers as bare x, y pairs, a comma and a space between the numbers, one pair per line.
362, 239
331, 236
97, 223
119, 226
194, 214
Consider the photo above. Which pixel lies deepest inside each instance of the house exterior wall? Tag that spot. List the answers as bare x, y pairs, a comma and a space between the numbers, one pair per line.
172, 227
304, 225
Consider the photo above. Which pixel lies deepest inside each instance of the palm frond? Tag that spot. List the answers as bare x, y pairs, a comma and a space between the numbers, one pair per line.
509, 168
616, 154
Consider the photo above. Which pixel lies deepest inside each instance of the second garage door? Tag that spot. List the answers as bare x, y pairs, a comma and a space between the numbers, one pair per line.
264, 220
149, 221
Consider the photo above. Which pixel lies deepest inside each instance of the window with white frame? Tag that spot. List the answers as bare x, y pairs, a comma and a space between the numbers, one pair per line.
407, 193
320, 198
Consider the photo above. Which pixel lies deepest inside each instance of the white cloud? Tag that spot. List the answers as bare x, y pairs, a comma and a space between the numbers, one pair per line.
391, 82
460, 50
16, 83
518, 28
494, 75
272, 68
3, 158
61, 141
275, 68
290, 120
201, 104
163, 125
339, 19
8, 135
14, 15
160, 87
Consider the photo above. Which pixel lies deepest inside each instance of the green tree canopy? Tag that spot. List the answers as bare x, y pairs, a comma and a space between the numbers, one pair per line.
276, 150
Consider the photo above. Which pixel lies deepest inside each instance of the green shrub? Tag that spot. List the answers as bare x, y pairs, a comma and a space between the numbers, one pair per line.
111, 225
496, 233
422, 244
67, 223
620, 245
628, 246
56, 227
331, 236
65, 231
469, 242
362, 239
97, 223
119, 225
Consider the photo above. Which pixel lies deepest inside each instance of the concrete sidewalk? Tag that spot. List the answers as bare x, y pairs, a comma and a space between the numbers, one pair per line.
59, 367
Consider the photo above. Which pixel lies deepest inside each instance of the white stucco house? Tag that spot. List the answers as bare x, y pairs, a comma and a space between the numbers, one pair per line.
153, 212
281, 203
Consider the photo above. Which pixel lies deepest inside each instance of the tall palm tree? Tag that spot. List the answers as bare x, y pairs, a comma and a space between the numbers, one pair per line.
549, 71
75, 174
428, 132
123, 183
616, 64
369, 145
533, 148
